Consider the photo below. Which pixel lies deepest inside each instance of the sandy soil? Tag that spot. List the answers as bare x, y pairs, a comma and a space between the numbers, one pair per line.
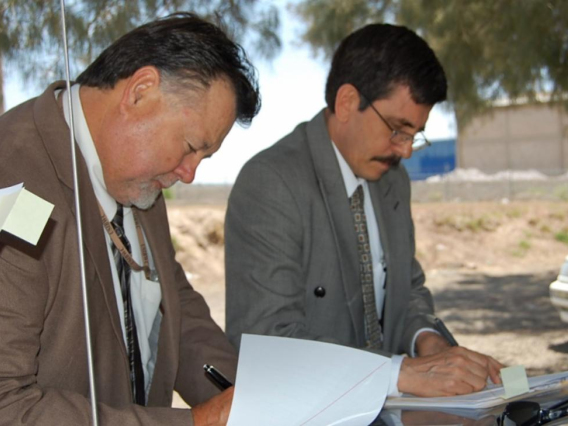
488, 266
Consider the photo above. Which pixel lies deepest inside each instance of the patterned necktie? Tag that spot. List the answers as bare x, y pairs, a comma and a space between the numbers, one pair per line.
372, 327
123, 269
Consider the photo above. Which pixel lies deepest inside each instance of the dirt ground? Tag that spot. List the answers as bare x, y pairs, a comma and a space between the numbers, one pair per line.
488, 266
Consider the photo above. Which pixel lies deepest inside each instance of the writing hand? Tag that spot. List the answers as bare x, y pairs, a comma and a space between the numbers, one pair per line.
454, 371
214, 412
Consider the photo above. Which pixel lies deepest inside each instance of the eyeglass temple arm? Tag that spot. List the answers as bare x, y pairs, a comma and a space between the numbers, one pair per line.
559, 404
556, 411
556, 414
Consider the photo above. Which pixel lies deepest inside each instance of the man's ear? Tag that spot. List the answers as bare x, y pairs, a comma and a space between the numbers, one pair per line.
142, 86
346, 102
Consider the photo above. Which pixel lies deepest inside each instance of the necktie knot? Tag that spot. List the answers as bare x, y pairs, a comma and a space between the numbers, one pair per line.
357, 199
118, 220
118, 225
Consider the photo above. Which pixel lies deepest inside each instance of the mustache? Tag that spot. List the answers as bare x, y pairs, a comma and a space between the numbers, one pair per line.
391, 160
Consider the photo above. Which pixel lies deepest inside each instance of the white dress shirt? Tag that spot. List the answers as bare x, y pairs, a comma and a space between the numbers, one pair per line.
379, 272
379, 266
146, 295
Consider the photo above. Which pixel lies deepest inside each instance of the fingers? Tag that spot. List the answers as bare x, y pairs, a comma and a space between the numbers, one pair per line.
436, 376
494, 371
466, 376
490, 365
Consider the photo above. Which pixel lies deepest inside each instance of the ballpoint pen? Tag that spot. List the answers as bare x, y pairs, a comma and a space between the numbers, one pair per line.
441, 327
217, 377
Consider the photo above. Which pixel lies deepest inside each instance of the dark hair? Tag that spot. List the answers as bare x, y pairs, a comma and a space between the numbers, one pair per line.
184, 48
378, 57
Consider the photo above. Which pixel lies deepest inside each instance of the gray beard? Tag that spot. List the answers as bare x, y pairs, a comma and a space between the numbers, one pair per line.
146, 198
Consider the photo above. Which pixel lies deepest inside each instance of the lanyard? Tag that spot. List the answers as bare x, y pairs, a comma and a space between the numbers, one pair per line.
150, 274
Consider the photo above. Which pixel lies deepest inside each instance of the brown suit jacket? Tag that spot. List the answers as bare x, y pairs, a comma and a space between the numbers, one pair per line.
43, 360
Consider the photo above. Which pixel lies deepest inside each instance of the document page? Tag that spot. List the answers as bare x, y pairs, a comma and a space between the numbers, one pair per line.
292, 382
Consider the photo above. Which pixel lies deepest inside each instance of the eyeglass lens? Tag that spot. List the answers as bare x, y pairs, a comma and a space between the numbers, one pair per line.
419, 143
529, 413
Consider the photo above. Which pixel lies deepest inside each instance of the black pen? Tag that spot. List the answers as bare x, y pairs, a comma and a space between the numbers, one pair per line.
217, 377
441, 327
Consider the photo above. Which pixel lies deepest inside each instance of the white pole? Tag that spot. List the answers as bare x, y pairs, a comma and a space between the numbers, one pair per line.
79, 226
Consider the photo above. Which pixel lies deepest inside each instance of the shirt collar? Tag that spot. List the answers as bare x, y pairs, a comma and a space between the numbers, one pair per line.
89, 151
349, 179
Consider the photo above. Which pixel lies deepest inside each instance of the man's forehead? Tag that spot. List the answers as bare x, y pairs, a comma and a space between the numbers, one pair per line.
403, 111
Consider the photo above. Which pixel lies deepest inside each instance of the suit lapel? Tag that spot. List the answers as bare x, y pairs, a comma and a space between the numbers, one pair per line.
55, 133
385, 204
334, 195
168, 358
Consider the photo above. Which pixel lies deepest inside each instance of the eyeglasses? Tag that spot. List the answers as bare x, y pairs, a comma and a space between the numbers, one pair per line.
398, 137
529, 413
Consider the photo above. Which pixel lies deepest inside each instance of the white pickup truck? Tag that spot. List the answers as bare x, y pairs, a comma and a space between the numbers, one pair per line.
559, 291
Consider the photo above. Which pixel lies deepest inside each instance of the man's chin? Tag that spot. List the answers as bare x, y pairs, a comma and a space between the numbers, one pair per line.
145, 201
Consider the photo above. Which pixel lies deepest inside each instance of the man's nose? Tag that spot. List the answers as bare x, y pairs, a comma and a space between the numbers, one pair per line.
187, 168
403, 150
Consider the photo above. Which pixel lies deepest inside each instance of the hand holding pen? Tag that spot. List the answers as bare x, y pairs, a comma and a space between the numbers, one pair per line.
442, 329
217, 377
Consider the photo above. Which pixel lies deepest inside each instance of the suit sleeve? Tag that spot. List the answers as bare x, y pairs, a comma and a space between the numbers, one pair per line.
263, 248
201, 342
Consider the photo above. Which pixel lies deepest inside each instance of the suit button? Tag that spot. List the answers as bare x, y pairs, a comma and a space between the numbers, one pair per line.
319, 291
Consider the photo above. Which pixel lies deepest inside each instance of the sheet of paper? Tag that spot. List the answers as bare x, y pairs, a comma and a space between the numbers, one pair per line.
8, 197
491, 396
23, 214
515, 381
283, 381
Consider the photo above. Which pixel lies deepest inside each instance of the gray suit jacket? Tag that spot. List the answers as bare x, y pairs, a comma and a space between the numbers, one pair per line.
289, 230
43, 361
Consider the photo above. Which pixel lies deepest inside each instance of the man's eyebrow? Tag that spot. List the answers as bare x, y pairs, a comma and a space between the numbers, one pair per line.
403, 122
206, 147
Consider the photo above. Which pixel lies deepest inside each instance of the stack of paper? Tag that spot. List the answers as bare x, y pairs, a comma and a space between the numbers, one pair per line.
492, 396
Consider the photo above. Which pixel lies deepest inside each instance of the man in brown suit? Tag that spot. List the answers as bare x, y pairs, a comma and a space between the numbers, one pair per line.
146, 112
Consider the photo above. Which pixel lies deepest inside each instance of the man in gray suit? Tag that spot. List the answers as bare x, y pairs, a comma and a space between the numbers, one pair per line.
319, 234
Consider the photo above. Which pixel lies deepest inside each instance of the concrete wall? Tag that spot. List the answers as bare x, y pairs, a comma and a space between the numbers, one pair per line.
516, 138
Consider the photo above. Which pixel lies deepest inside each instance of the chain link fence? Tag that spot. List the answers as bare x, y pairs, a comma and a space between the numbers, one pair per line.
457, 185
474, 185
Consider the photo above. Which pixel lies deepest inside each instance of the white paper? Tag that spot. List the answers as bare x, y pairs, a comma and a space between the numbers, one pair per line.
490, 397
22, 213
8, 197
283, 381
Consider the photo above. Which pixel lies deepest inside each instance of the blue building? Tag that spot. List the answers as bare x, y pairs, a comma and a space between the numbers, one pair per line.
434, 160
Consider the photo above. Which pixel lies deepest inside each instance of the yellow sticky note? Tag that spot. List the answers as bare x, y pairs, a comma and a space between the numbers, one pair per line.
23, 214
8, 197
515, 381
